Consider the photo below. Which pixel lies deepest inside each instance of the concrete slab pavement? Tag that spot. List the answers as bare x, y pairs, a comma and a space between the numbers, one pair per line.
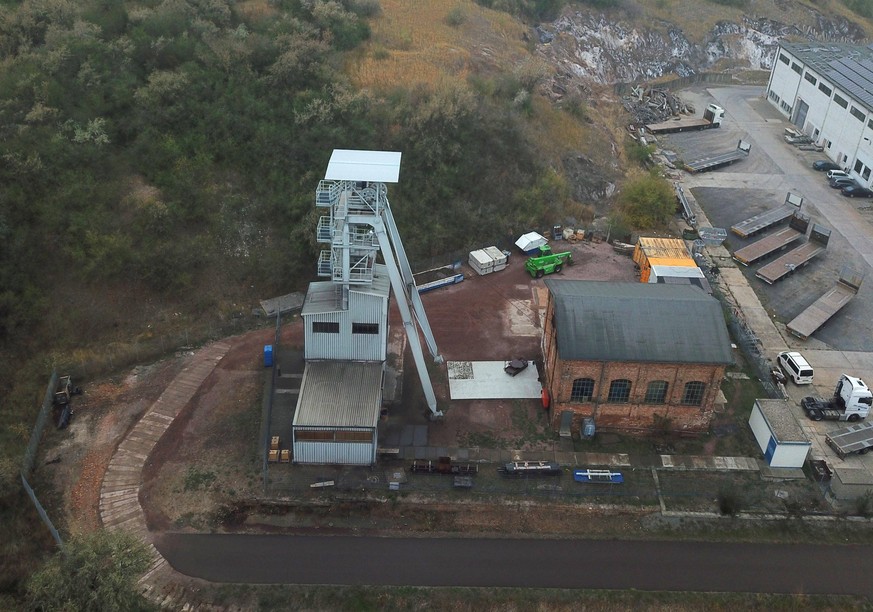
852, 233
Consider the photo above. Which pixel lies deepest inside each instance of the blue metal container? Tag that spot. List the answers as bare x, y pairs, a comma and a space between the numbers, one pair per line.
268, 355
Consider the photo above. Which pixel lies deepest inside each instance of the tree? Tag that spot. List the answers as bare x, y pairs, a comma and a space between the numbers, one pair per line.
97, 571
647, 201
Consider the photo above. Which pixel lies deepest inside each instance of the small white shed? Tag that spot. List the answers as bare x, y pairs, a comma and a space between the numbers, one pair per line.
530, 242
778, 433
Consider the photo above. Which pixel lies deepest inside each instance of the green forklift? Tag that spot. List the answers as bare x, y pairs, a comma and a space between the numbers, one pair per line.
547, 262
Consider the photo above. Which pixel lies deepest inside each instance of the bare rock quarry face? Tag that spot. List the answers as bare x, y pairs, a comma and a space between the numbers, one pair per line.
595, 47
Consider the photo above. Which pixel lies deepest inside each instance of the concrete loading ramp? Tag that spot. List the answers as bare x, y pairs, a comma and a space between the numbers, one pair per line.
487, 380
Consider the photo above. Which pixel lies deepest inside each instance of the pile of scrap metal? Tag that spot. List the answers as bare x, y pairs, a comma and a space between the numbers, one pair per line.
652, 105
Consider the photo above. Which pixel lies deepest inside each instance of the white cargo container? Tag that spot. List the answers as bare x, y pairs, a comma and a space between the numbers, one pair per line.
498, 257
778, 433
674, 272
481, 262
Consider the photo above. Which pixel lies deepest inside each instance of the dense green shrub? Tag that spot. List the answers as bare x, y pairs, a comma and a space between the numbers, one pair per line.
647, 202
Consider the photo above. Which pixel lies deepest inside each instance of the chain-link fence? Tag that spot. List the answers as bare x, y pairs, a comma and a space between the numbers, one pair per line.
27, 464
268, 412
646, 487
41, 419
745, 338
151, 346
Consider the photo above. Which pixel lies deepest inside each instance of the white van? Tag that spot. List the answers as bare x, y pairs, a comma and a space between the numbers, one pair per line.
795, 367
836, 173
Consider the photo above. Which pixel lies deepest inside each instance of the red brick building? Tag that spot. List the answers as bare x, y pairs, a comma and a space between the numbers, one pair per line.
636, 357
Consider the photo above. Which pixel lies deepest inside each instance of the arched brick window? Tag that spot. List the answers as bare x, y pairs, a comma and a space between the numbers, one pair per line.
656, 393
619, 391
583, 390
694, 391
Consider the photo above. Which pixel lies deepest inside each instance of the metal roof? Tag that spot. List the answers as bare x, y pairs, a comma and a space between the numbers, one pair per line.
351, 165
849, 67
664, 248
339, 394
604, 321
326, 296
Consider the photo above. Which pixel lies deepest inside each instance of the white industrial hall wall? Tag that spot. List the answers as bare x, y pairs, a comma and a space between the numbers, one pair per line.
826, 91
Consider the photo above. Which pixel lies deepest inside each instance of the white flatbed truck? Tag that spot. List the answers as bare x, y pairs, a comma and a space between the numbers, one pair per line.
712, 118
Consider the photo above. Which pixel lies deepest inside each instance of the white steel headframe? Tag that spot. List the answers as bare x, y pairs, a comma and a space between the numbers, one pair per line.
360, 223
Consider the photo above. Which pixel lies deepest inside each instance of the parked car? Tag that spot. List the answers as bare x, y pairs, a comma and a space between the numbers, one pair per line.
841, 181
856, 191
823, 165
835, 173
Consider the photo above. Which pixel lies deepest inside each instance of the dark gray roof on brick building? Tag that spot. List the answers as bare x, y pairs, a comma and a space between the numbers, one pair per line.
605, 321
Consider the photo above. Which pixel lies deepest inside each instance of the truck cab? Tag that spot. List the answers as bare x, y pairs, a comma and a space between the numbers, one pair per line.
851, 401
855, 396
714, 114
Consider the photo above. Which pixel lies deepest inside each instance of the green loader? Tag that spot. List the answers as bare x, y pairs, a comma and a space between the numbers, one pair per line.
547, 262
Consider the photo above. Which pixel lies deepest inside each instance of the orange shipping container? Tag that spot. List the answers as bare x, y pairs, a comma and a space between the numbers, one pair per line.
660, 252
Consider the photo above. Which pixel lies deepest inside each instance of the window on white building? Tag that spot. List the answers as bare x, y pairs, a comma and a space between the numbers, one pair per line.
841, 101
810, 78
796, 68
784, 59
866, 173
825, 89
325, 327
857, 114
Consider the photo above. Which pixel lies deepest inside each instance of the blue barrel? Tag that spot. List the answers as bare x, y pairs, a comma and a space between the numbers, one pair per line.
268, 355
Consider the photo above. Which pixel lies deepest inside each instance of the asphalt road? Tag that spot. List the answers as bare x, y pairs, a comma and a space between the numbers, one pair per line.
565, 563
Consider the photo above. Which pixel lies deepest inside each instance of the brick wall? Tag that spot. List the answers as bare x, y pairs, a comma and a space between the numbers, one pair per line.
635, 415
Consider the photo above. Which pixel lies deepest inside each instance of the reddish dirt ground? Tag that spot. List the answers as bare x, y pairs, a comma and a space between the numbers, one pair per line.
473, 320
103, 415
492, 317
497, 317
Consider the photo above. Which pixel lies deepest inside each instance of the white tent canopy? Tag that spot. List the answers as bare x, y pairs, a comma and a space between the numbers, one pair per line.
530, 241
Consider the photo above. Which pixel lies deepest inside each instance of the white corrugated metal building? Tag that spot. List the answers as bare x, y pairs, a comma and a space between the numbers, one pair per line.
337, 413
826, 90
357, 333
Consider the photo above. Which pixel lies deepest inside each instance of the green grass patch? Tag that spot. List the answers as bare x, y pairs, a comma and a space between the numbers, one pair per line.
468, 599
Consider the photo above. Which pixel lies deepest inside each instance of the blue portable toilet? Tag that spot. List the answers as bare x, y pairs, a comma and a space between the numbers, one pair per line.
268, 355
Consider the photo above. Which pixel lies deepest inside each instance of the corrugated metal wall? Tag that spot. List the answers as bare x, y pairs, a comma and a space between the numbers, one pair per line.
345, 345
335, 453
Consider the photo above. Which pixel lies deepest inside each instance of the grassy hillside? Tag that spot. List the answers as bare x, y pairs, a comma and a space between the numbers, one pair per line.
160, 160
